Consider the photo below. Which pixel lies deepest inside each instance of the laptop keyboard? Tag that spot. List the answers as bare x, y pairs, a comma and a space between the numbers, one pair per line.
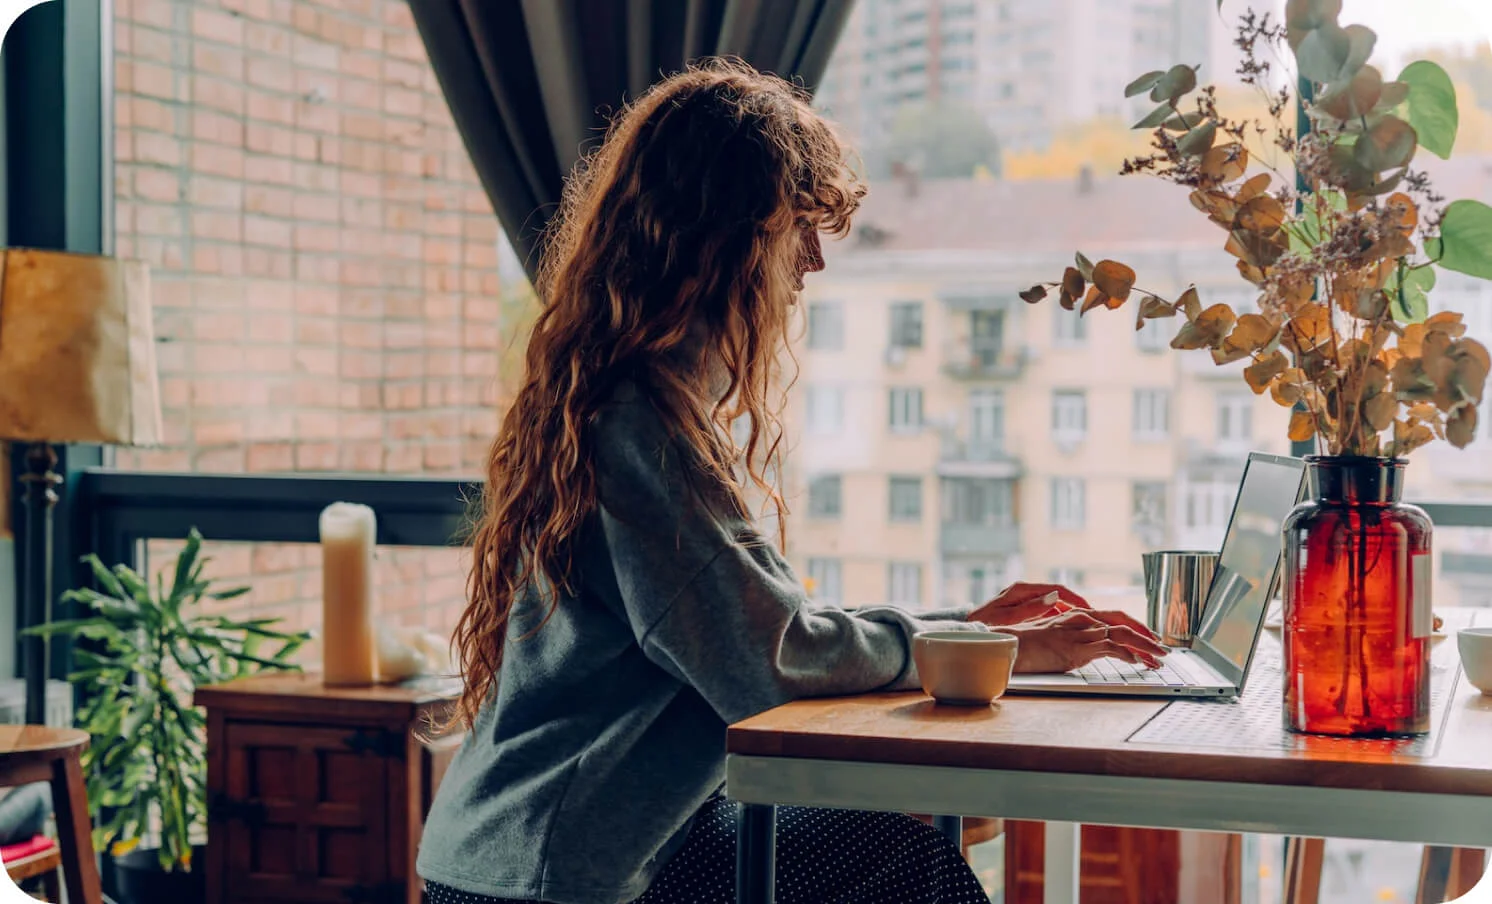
1112, 671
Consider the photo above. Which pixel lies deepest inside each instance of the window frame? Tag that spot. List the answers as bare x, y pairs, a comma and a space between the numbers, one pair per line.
826, 497
828, 336
1152, 404
911, 487
898, 573
1065, 433
906, 326
909, 416
1069, 504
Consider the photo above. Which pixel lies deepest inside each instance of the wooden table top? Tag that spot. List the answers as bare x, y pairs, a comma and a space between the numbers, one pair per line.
278, 692
1095, 735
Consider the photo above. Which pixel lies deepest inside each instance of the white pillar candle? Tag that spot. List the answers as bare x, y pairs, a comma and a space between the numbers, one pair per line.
349, 656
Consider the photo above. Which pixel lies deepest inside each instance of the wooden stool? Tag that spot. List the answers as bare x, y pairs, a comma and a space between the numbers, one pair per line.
1444, 873
36, 753
29, 859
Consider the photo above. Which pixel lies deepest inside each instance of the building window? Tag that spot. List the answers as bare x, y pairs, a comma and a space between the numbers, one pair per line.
1148, 511
1235, 418
1152, 414
1069, 577
986, 422
978, 502
1069, 507
825, 410
826, 326
1205, 508
1070, 327
985, 583
986, 337
906, 409
1155, 335
906, 324
1069, 416
906, 499
825, 496
904, 583
824, 582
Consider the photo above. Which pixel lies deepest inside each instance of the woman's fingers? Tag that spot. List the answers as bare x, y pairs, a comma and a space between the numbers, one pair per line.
1116, 618
1137, 641
1115, 650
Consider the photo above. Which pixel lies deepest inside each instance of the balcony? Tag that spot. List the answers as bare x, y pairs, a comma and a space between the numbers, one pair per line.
967, 359
977, 458
956, 539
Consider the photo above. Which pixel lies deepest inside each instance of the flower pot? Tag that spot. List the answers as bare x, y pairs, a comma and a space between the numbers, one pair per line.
139, 879
1357, 620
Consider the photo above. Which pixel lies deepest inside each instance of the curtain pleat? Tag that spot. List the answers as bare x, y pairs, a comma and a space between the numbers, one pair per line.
531, 83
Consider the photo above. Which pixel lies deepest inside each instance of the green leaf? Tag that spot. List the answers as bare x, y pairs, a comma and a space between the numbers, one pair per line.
1389, 144
1183, 122
1175, 84
1198, 141
1157, 116
104, 576
229, 594
1431, 106
1409, 301
1323, 52
1085, 266
1143, 83
1465, 241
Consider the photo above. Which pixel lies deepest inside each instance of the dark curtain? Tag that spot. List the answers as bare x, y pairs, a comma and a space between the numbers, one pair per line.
531, 82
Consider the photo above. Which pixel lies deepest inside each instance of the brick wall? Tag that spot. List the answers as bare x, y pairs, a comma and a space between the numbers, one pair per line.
324, 261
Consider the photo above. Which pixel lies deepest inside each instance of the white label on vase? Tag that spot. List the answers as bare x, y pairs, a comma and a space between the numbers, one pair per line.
1419, 584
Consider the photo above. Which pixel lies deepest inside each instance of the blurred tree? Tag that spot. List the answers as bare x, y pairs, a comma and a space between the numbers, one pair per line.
939, 141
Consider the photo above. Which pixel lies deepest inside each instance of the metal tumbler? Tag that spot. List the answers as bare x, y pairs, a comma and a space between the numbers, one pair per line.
1176, 584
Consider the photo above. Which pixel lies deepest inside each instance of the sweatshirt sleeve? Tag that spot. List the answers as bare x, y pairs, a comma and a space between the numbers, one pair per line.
714, 604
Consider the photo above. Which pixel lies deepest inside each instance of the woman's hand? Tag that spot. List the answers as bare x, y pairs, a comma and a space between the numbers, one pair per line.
1022, 602
1074, 639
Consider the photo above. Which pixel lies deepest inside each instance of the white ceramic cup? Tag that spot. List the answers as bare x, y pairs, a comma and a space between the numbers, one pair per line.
1475, 645
971, 668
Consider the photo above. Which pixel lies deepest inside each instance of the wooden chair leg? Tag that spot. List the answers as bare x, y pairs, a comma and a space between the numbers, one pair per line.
1448, 873
75, 831
51, 886
1304, 858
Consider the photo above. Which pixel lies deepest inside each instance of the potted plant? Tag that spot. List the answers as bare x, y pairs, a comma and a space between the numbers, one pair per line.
1341, 237
144, 650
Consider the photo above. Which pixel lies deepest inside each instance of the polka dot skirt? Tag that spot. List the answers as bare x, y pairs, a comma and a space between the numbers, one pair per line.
823, 857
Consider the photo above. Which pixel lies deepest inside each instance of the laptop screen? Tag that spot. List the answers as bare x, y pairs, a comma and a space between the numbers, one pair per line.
1248, 568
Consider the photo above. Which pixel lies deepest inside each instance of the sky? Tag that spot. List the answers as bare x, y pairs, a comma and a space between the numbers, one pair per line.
1403, 26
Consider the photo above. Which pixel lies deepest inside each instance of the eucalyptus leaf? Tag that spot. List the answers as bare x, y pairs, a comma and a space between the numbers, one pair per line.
1323, 52
1143, 83
1409, 298
1389, 144
1176, 83
1155, 117
1431, 106
1465, 241
1198, 141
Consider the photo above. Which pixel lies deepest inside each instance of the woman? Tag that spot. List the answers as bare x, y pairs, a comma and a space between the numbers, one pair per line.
623, 609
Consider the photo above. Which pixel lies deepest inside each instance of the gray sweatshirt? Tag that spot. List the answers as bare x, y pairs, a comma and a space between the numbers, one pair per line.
607, 728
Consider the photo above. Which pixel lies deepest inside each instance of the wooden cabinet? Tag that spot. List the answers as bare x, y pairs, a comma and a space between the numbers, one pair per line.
319, 794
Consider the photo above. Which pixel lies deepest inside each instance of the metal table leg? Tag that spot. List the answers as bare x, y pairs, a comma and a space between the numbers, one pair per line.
1063, 862
952, 828
756, 855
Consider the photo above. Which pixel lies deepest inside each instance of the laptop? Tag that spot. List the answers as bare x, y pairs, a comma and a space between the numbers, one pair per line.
1216, 664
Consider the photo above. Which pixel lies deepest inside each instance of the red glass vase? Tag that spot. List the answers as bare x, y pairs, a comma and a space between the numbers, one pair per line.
1357, 603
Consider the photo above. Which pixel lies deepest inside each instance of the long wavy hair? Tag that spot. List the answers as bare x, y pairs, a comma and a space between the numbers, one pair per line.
673, 262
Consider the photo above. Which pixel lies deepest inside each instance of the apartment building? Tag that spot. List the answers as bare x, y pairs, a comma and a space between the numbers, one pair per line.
947, 438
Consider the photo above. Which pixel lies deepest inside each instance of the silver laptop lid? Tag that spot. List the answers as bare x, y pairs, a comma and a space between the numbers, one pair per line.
1248, 570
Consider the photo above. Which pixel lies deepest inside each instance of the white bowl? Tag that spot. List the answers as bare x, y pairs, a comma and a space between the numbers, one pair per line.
971, 668
1475, 645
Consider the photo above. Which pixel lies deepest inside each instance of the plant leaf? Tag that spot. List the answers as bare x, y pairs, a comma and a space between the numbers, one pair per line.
1198, 141
1207, 330
1409, 298
1189, 304
1460, 428
1431, 106
1323, 52
1227, 163
1390, 143
1465, 241
1183, 122
1143, 83
1174, 84
1154, 118
1351, 100
1114, 279
1034, 294
1302, 426
1263, 371
1085, 267
1380, 410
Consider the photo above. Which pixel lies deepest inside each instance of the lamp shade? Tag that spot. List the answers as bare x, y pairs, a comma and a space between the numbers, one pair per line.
77, 350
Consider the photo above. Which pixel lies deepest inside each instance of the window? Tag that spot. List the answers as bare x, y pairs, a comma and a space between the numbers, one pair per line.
1069, 416
1068, 505
1155, 335
826, 326
1152, 414
823, 582
824, 500
978, 502
985, 581
906, 324
986, 337
1235, 418
1205, 508
905, 498
1148, 511
906, 409
904, 583
986, 422
1070, 328
825, 410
